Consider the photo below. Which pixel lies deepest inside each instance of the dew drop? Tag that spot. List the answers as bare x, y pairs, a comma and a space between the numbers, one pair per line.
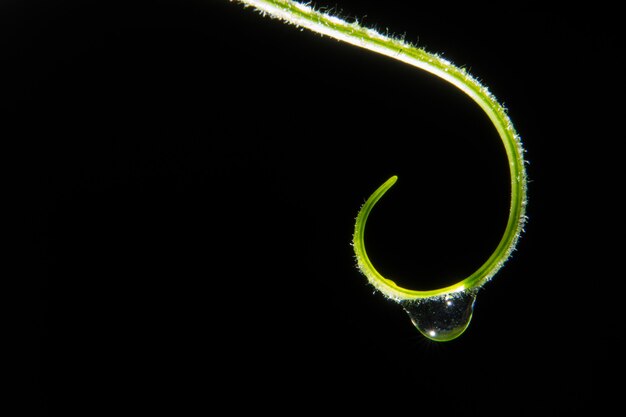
442, 318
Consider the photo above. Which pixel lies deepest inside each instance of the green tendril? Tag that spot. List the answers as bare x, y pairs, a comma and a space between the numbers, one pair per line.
353, 33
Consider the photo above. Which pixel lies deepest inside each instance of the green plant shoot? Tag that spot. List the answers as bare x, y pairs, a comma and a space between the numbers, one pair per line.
442, 314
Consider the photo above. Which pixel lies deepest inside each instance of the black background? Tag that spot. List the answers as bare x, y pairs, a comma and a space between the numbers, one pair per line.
193, 170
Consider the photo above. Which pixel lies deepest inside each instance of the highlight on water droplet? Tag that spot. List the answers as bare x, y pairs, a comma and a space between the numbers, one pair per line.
442, 318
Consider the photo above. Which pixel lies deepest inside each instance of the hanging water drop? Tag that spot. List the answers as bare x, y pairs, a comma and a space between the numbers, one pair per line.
442, 318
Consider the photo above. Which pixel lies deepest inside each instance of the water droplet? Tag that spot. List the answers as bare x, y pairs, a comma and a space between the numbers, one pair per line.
442, 318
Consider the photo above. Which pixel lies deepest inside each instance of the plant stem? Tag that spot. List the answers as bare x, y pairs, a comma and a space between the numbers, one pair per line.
353, 33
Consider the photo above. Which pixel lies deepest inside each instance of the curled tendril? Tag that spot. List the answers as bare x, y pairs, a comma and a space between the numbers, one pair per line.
305, 16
